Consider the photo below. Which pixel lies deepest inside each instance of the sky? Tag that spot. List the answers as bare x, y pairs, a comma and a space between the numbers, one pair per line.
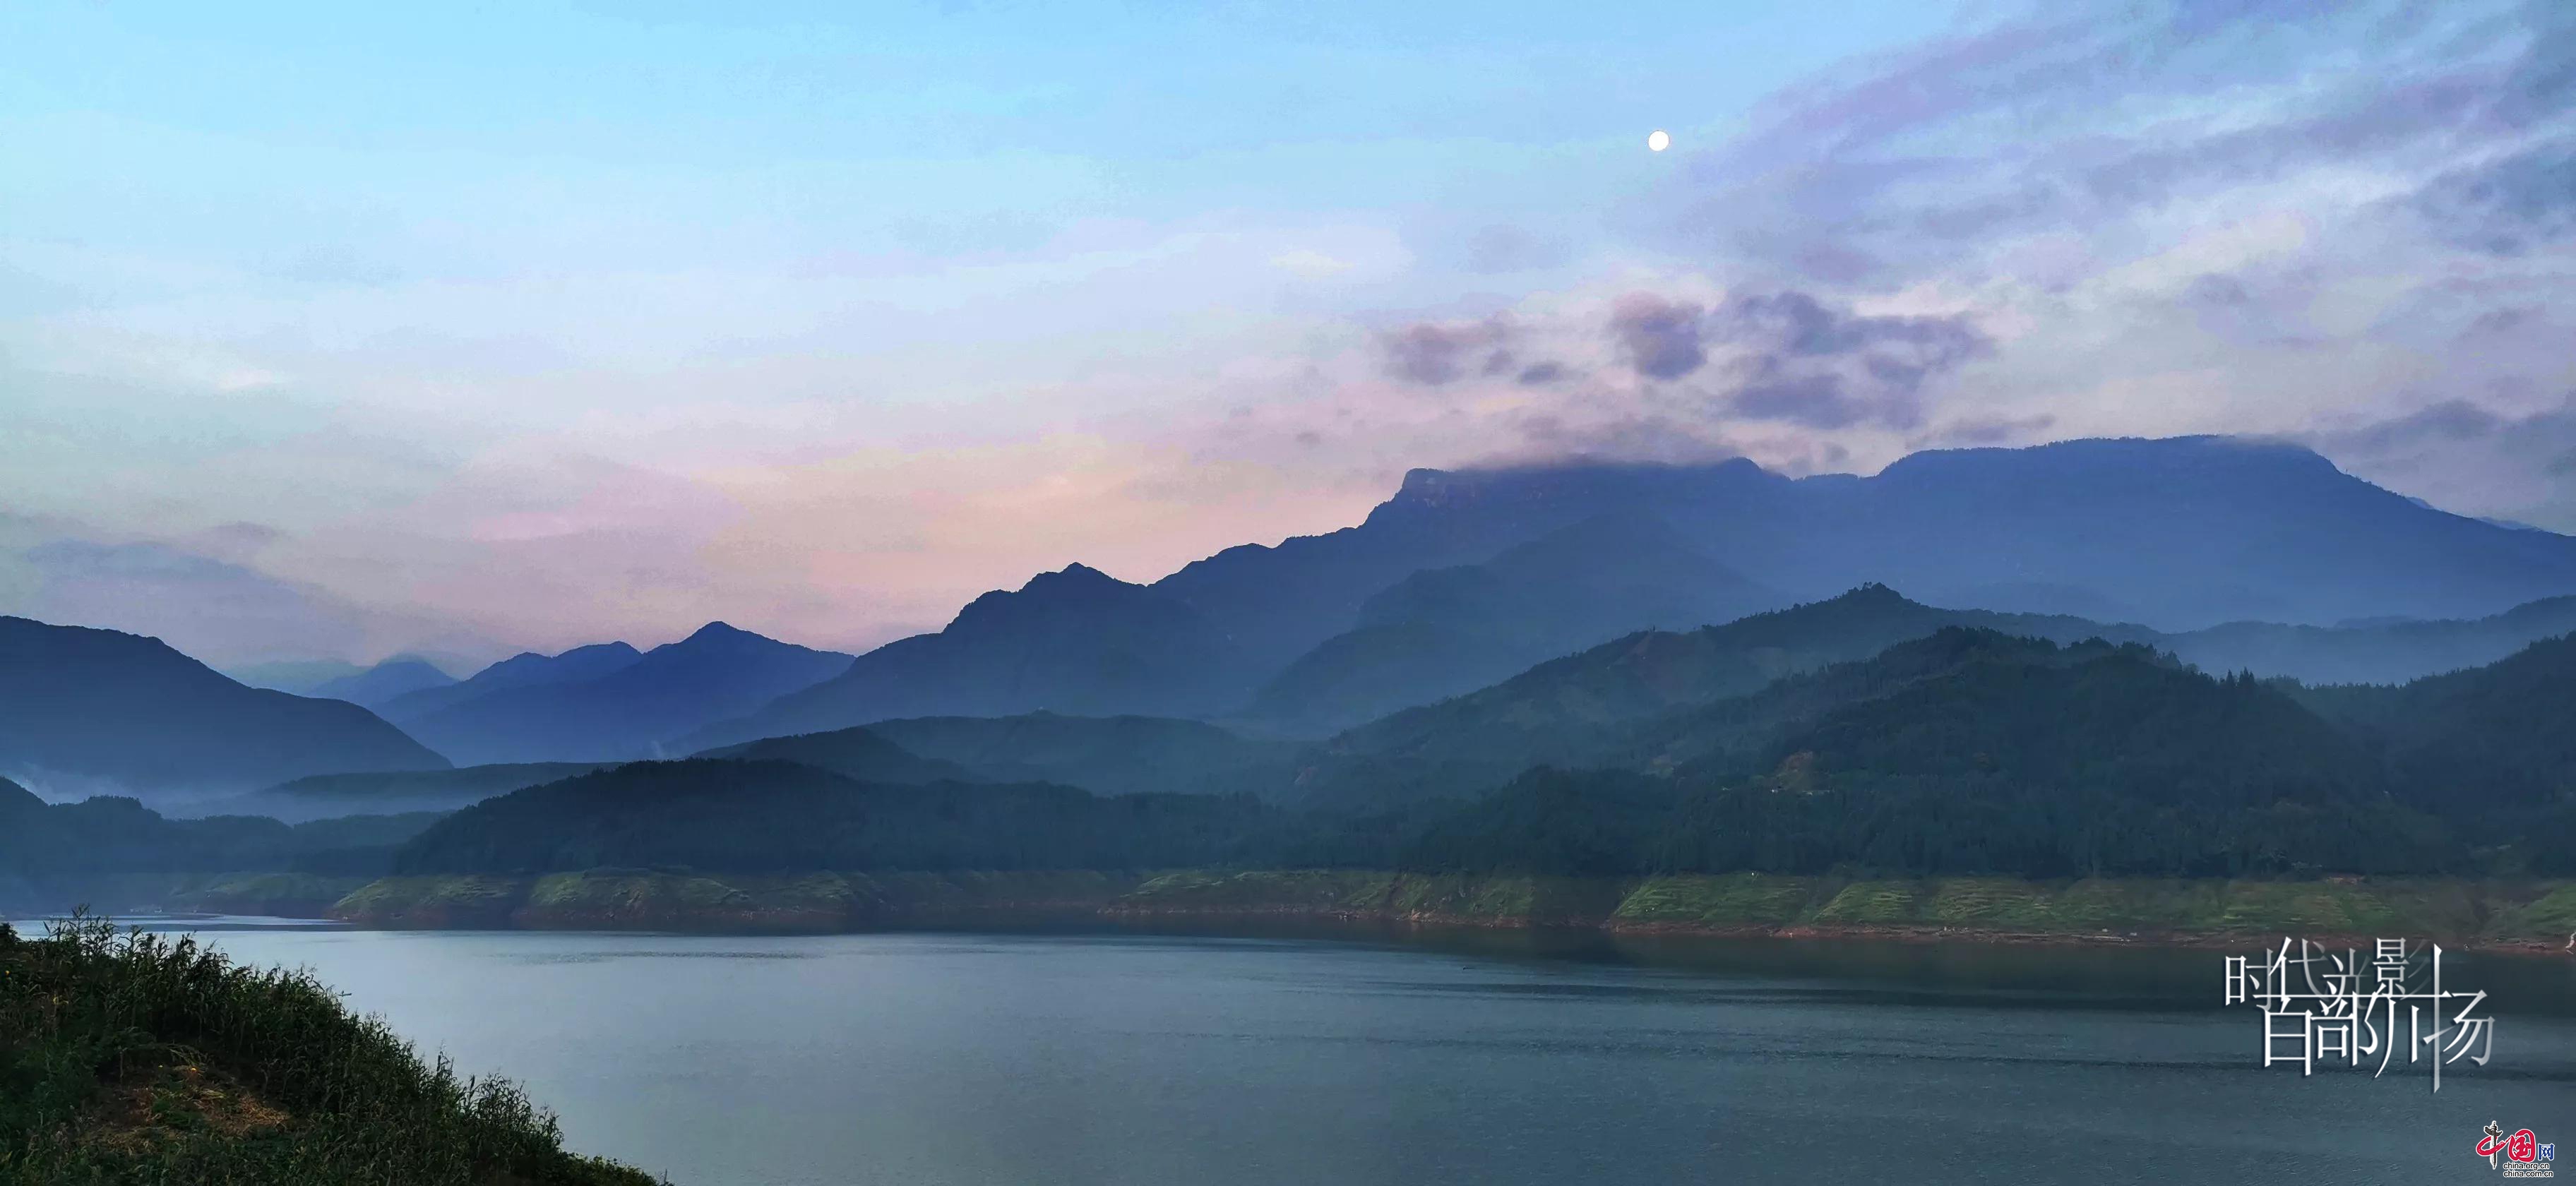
337, 331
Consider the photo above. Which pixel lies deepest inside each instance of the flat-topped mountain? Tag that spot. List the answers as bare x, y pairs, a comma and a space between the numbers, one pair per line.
1460, 575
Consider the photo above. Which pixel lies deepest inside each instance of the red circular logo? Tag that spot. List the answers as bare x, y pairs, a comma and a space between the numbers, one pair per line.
2522, 1146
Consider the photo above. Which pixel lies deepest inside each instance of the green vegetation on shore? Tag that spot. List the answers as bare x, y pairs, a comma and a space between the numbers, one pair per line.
2464, 912
127, 1057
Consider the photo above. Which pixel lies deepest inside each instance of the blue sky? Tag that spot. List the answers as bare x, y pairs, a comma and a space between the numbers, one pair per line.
339, 330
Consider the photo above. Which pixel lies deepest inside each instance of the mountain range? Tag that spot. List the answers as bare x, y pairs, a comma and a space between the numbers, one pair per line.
383, 792
1106, 755
596, 704
1573, 710
1962, 751
1466, 590
1075, 641
88, 709
1958, 749
1461, 577
382, 684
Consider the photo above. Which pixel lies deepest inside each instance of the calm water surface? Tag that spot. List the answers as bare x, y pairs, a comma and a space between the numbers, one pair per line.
1176, 1059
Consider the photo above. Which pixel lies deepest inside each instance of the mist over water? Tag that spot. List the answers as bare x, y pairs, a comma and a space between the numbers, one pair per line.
1424, 1058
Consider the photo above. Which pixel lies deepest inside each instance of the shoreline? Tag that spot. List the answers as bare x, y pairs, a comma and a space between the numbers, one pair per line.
2527, 918
1016, 921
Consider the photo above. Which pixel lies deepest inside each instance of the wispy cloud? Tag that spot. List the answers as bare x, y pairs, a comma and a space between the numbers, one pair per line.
538, 411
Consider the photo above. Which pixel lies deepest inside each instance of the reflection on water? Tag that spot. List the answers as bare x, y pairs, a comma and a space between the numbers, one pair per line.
1333, 1054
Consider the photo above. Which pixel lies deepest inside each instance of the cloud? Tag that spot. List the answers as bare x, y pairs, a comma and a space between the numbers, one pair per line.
2507, 207
1790, 356
1986, 431
2349, 224
1831, 368
1433, 353
2449, 420
1660, 338
1539, 374
1919, 163
2465, 456
1310, 264
212, 610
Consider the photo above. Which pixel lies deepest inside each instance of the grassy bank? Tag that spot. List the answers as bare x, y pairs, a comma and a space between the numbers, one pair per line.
2498, 914
292, 895
129, 1058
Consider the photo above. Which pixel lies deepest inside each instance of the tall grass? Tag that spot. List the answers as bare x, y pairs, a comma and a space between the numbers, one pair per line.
133, 1058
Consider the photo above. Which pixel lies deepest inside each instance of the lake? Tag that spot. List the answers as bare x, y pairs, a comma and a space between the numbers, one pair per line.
1369, 1057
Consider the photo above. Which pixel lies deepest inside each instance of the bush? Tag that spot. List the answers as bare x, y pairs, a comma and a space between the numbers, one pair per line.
130, 1057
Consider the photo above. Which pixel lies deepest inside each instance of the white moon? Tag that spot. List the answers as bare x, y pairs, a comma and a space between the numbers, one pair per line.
1657, 141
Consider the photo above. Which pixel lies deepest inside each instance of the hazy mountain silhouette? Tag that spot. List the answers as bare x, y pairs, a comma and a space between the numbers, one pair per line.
381, 684
2372, 653
1127, 755
765, 815
1075, 641
630, 712
859, 753
526, 669
1443, 631
1564, 711
1574, 711
2180, 534
2467, 740
325, 796
2085, 715
88, 706
1966, 752
1123, 755
298, 676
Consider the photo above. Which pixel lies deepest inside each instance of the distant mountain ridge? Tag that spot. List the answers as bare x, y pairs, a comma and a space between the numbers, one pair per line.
2373, 653
2224, 552
1443, 631
1575, 711
527, 669
1960, 752
82, 706
325, 796
1104, 755
383, 683
1076, 641
1567, 710
631, 711
2181, 534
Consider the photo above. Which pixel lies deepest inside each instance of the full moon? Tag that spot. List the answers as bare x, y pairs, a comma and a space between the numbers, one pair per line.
1657, 141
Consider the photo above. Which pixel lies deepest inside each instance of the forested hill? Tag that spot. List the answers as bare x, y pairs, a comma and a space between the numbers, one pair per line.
860, 753
1971, 752
2089, 717
1966, 751
1582, 709
760, 815
2483, 744
1963, 751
